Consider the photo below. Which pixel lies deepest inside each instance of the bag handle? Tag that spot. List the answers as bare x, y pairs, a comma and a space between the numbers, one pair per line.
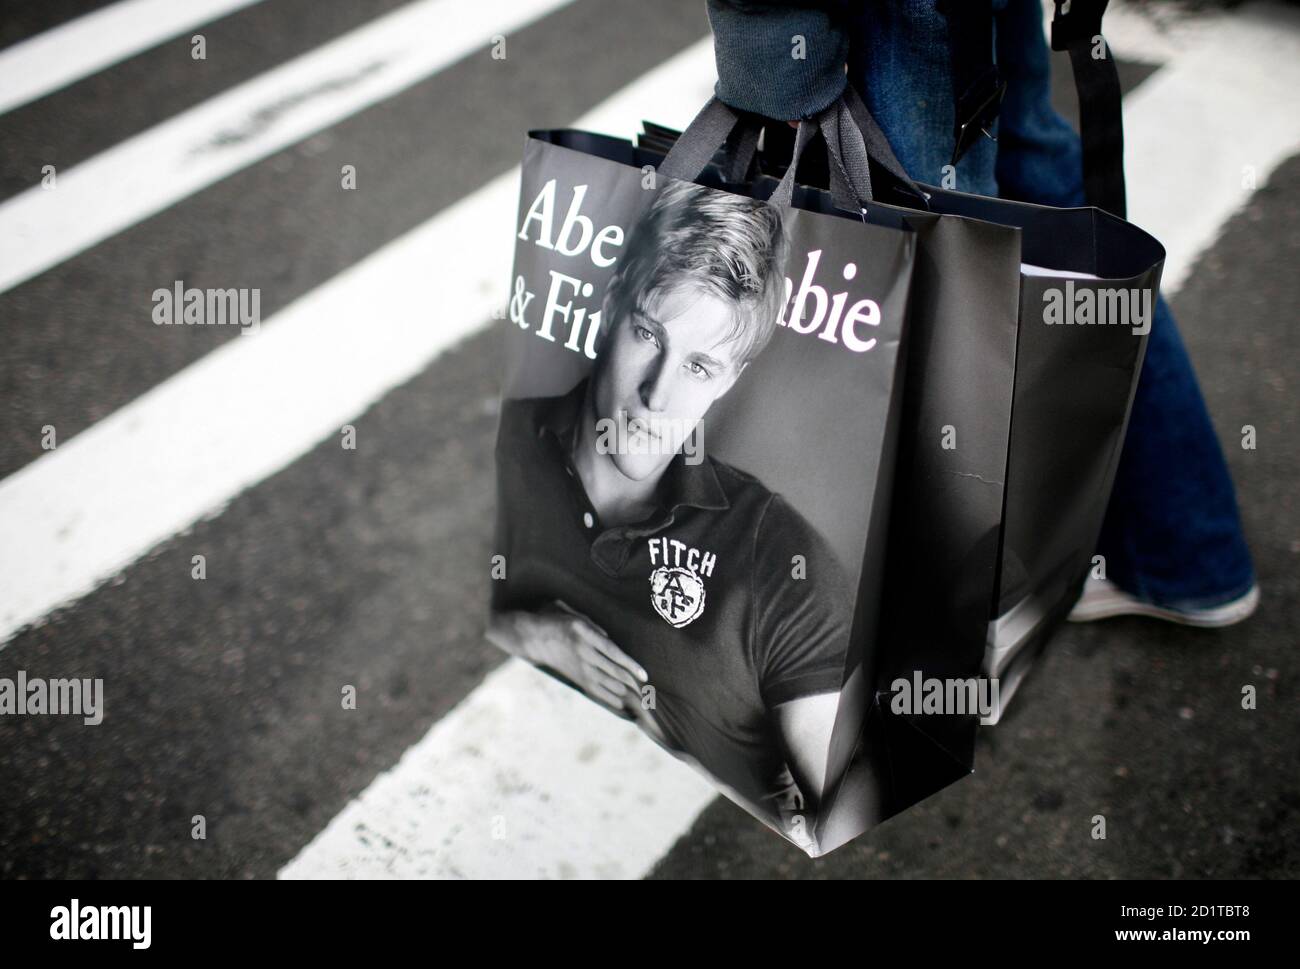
847, 127
852, 136
1076, 26
707, 132
783, 195
878, 147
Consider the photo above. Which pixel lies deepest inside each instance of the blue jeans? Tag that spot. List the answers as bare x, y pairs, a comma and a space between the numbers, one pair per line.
1172, 533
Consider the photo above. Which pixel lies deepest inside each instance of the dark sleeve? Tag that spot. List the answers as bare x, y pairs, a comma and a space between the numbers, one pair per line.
801, 625
753, 43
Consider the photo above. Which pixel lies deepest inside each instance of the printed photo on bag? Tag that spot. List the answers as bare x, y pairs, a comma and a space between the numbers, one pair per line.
675, 541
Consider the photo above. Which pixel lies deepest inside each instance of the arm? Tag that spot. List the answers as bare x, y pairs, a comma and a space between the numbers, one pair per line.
764, 68
565, 641
801, 634
805, 726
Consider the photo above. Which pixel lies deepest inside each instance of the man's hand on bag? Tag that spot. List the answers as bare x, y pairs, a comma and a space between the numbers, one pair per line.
575, 647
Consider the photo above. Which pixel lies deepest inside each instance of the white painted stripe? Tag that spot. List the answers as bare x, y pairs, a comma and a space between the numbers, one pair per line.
143, 175
56, 58
525, 778
250, 407
1200, 128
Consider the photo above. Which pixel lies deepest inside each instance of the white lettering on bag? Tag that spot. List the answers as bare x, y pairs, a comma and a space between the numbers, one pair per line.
865, 312
542, 211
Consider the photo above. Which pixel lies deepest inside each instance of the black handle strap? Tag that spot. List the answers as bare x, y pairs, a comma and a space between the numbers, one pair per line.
850, 176
877, 145
717, 125
853, 139
783, 194
712, 128
1076, 28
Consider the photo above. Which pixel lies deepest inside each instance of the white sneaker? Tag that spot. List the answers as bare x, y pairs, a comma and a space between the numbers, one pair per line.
1102, 599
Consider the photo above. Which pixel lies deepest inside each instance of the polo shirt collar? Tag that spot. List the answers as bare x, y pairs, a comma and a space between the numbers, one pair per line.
685, 484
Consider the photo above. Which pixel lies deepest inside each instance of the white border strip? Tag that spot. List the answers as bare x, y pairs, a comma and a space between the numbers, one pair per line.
62, 55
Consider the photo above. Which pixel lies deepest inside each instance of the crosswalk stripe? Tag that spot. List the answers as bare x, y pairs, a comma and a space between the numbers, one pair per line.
56, 58
1208, 127
523, 779
248, 408
143, 175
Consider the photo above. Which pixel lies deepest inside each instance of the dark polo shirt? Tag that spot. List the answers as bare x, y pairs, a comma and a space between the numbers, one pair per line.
700, 592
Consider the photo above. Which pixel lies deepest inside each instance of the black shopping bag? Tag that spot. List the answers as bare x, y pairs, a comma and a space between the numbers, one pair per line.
1083, 333
694, 459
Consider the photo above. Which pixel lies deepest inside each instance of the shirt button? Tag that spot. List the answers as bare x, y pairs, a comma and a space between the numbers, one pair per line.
587, 519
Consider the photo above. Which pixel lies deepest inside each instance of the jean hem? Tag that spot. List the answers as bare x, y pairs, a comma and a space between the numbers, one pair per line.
1197, 603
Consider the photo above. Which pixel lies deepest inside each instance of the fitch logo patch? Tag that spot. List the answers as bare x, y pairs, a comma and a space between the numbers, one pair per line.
677, 595
677, 583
